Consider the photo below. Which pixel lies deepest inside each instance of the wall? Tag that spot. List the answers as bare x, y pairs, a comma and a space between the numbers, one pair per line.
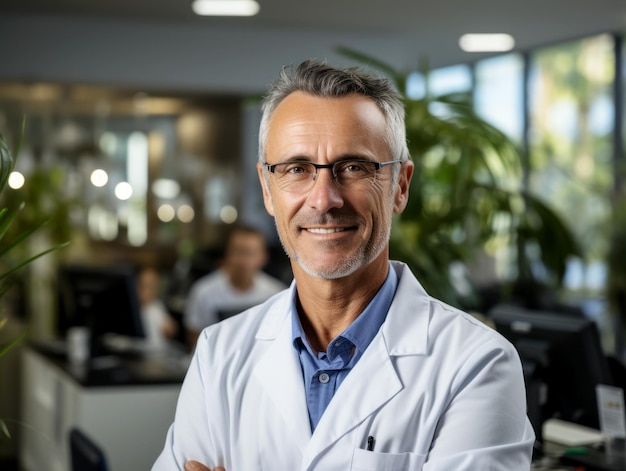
212, 59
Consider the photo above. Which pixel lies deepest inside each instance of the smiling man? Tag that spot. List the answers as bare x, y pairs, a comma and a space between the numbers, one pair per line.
354, 366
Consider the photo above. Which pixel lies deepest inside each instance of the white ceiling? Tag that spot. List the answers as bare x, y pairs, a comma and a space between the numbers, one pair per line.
405, 30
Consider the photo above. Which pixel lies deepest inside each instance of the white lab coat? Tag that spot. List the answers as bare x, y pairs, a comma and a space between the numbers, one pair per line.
437, 389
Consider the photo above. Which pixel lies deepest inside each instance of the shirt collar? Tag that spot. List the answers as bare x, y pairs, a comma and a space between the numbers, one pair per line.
362, 330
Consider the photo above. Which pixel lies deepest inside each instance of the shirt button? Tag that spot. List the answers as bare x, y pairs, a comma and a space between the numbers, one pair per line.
324, 378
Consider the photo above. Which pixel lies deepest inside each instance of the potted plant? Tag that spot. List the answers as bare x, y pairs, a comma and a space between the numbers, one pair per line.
13, 257
467, 198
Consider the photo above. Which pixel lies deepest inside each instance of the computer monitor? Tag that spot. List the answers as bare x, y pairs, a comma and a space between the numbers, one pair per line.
102, 298
563, 362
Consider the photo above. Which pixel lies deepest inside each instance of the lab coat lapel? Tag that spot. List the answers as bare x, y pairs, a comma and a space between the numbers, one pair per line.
279, 374
406, 328
370, 384
374, 380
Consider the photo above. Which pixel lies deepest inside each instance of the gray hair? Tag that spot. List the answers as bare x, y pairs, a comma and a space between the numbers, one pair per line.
320, 79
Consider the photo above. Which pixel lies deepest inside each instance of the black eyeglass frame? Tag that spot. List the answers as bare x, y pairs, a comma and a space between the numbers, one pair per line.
377, 165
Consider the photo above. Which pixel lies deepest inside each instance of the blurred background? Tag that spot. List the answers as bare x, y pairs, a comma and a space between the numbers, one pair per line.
141, 137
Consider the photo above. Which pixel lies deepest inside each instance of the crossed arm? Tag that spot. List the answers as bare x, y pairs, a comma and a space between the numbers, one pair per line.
195, 466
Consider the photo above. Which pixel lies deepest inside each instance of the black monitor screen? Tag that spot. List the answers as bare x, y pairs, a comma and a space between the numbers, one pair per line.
103, 298
563, 362
225, 313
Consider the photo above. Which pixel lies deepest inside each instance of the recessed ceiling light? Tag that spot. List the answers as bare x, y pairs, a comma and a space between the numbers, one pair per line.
225, 7
486, 42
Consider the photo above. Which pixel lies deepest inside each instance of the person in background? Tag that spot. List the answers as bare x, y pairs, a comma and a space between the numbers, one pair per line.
159, 326
236, 285
355, 367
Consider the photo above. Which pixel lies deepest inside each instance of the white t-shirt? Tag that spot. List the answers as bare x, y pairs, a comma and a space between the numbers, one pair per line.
212, 298
154, 316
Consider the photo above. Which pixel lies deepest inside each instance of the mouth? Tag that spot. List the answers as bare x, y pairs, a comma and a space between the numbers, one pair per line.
332, 227
325, 230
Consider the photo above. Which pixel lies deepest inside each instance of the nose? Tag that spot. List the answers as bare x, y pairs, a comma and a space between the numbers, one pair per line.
325, 193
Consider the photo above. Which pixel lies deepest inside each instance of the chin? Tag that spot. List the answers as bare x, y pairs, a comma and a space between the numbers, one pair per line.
333, 272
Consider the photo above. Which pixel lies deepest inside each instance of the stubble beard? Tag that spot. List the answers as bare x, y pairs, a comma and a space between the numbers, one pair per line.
347, 265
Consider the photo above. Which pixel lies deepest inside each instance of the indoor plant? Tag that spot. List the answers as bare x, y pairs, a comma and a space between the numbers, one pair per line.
12, 255
467, 198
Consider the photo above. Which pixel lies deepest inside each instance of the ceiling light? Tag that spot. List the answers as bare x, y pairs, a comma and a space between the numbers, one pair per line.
99, 177
166, 213
123, 191
166, 188
486, 42
225, 7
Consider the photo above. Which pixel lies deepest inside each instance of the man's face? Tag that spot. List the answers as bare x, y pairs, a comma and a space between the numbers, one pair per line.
147, 286
331, 231
246, 253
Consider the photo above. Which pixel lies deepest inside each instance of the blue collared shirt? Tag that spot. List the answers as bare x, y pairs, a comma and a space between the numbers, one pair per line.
323, 372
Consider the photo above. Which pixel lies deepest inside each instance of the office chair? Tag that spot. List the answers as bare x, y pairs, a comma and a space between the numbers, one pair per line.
85, 454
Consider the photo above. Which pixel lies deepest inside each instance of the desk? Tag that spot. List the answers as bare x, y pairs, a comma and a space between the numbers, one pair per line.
125, 404
597, 460
592, 459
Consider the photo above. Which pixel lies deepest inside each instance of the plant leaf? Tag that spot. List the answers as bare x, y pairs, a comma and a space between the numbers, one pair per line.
6, 162
6, 218
5, 348
397, 77
7, 158
5, 429
16, 268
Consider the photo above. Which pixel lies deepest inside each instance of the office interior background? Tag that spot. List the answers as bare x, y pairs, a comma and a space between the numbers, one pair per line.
141, 126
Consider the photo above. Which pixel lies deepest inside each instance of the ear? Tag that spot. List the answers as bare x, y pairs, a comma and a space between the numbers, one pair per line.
401, 196
267, 199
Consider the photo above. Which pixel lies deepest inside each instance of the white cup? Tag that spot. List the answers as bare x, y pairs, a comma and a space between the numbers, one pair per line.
78, 344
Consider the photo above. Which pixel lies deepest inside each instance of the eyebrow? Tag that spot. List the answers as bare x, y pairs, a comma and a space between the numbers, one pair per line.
296, 158
343, 158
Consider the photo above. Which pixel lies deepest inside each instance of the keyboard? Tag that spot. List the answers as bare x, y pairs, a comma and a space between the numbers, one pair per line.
570, 434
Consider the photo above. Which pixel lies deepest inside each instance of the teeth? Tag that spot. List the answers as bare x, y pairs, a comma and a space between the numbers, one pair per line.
319, 230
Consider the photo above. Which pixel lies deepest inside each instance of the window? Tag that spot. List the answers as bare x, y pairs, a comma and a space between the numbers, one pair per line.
443, 81
499, 93
570, 140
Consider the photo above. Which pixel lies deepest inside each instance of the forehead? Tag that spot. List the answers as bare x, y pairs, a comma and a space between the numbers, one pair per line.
148, 276
245, 238
302, 121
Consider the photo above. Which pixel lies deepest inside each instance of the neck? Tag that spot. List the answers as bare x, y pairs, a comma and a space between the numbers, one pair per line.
327, 307
241, 281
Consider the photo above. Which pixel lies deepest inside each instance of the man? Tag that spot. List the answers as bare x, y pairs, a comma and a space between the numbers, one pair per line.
235, 286
355, 366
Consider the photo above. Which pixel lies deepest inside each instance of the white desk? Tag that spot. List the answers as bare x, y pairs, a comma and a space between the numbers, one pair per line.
128, 418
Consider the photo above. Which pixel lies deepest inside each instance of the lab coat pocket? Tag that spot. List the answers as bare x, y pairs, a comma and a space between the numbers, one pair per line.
364, 460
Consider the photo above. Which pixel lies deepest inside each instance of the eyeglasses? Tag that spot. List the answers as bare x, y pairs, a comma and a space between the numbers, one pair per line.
299, 176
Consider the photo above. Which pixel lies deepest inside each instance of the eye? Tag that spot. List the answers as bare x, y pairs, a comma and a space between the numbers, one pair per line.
297, 168
354, 168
